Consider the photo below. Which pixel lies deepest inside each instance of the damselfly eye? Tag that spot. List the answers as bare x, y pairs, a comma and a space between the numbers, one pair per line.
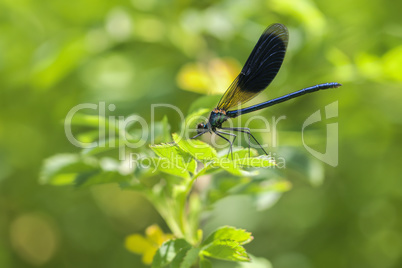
200, 128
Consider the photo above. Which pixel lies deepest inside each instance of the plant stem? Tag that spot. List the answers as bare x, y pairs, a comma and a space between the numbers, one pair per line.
162, 206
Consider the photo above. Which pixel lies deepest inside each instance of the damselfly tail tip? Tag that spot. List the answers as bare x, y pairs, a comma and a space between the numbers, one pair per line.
336, 85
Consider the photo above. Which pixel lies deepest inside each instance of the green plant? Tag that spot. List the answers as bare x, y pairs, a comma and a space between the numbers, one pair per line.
165, 173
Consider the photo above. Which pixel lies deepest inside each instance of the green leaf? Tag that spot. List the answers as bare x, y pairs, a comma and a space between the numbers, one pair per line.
175, 155
238, 153
108, 145
262, 187
165, 150
226, 244
196, 148
88, 136
262, 162
232, 167
195, 207
255, 263
95, 121
165, 166
165, 129
228, 250
262, 191
161, 130
88, 120
241, 236
63, 169
172, 251
204, 262
219, 188
189, 259
101, 177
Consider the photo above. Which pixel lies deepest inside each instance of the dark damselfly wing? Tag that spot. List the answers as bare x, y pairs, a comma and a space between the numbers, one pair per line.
260, 68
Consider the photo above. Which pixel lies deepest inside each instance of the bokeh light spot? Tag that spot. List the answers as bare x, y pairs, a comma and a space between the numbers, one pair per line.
34, 238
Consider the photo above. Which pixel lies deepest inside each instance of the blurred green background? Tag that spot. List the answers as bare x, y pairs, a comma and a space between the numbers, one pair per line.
55, 55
